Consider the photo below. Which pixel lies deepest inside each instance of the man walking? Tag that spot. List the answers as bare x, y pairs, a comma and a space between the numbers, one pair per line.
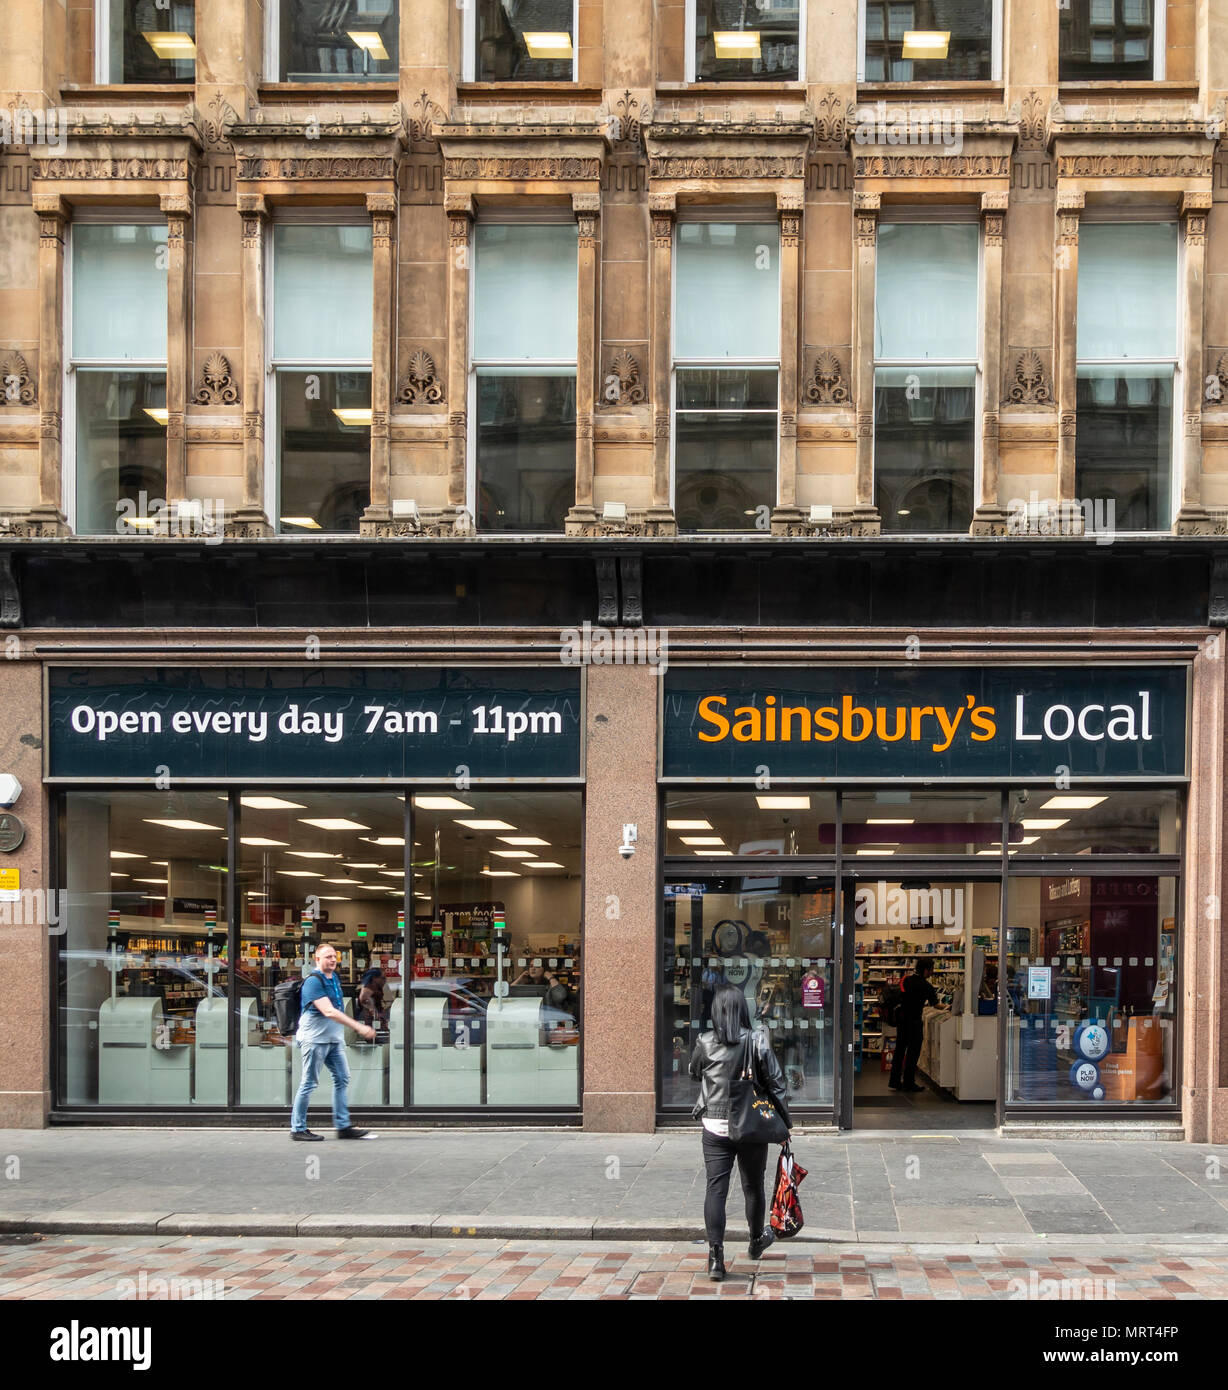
909, 1030
321, 1036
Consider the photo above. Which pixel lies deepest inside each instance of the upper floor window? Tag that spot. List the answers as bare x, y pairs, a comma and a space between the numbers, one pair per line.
525, 334
926, 374
1110, 40
332, 40
117, 376
1126, 369
322, 309
726, 374
520, 40
744, 40
931, 40
146, 41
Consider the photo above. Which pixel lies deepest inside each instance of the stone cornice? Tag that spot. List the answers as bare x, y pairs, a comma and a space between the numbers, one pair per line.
567, 158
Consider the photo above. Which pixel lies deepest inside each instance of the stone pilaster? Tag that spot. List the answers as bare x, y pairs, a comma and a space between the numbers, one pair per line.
178, 211
789, 210
382, 208
459, 209
1192, 517
661, 212
1066, 333
989, 518
252, 518
866, 520
587, 208
47, 518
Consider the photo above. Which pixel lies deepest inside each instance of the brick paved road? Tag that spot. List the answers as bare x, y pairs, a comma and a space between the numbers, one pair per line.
92, 1267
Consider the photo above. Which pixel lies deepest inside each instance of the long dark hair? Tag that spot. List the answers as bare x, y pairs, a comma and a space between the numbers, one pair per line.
729, 1013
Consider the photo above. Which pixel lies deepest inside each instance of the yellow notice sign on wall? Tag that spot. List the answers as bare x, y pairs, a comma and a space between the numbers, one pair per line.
10, 885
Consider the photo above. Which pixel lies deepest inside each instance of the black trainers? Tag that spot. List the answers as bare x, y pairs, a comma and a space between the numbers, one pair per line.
305, 1136
761, 1242
355, 1133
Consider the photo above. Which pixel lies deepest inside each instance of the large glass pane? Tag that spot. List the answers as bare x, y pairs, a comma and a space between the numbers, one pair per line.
324, 448
885, 823
1127, 290
526, 449
714, 824
933, 42
142, 975
1091, 990
322, 868
1086, 820
1105, 40
1123, 445
759, 42
497, 948
322, 293
772, 937
118, 292
925, 447
153, 41
925, 298
121, 451
519, 42
338, 40
525, 293
724, 470
727, 291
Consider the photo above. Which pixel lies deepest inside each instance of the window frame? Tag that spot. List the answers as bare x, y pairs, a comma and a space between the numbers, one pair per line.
704, 214
1119, 216
1159, 53
689, 54
102, 49
95, 216
469, 49
320, 217
939, 216
507, 216
271, 67
995, 51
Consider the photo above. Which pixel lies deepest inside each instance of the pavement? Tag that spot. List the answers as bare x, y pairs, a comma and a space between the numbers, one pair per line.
65, 1269
887, 1188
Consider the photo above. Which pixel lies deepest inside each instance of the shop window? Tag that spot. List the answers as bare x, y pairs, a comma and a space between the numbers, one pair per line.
1091, 989
931, 40
321, 359
1090, 820
773, 938
146, 41
142, 970
1110, 40
927, 375
888, 823
520, 40
733, 41
1127, 365
726, 375
718, 824
524, 374
332, 40
117, 376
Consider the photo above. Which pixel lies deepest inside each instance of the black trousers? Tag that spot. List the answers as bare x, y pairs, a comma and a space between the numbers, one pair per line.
908, 1039
720, 1154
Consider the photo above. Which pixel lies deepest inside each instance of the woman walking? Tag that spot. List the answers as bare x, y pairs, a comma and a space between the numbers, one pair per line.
715, 1062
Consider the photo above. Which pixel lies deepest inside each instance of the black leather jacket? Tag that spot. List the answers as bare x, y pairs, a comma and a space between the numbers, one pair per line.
714, 1064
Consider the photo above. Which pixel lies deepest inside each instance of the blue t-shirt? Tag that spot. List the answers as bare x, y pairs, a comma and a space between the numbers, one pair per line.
313, 1027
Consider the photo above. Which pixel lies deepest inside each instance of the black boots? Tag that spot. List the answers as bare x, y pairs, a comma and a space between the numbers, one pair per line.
716, 1263
760, 1242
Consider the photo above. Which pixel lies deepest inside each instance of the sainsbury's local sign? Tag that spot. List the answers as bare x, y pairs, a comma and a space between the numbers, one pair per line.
909, 722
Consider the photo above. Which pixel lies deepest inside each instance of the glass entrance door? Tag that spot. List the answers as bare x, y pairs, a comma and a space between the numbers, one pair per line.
774, 937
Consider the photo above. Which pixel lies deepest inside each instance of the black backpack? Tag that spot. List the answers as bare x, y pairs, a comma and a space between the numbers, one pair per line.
288, 1003
892, 998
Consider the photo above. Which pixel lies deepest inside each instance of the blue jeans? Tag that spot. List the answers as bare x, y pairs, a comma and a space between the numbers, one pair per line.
332, 1055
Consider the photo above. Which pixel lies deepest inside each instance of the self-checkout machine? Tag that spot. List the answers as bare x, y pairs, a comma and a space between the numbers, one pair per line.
447, 1067
368, 1060
211, 1050
138, 1063
522, 1067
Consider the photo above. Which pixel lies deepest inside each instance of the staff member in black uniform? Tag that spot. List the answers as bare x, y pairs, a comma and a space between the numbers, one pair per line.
918, 992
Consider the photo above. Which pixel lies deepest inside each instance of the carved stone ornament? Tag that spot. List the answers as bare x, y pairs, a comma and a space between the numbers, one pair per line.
831, 119
1217, 382
17, 387
420, 384
827, 385
621, 381
1032, 122
1029, 386
427, 114
217, 386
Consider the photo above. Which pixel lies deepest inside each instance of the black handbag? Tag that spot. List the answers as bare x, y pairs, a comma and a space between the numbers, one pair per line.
753, 1117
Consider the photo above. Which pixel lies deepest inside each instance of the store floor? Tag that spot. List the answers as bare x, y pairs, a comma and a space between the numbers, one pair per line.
876, 1106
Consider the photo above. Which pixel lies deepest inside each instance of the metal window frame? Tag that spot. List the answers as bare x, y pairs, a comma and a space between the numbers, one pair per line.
469, 45
689, 54
995, 53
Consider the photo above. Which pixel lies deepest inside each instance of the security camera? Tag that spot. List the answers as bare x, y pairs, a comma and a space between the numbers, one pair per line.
1022, 798
626, 851
631, 833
